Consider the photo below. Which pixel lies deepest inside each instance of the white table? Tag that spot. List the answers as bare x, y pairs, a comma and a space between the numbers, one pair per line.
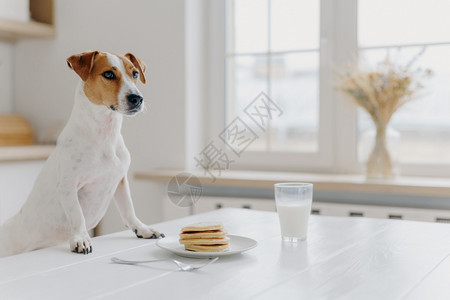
344, 258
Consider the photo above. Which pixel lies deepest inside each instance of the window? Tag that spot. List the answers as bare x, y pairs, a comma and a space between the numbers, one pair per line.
273, 47
290, 49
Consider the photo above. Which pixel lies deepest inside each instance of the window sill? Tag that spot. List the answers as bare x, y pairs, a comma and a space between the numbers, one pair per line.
408, 186
24, 153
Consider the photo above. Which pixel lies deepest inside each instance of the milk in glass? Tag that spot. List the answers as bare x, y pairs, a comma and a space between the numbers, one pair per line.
294, 219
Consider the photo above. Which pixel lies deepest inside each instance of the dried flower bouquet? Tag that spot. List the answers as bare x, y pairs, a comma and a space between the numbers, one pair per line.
381, 92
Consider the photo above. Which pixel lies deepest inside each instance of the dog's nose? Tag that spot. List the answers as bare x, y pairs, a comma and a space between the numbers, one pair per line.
135, 100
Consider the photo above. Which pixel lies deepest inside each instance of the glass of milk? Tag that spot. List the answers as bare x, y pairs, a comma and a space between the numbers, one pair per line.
294, 207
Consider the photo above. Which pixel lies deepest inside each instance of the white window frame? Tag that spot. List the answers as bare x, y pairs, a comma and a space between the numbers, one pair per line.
337, 136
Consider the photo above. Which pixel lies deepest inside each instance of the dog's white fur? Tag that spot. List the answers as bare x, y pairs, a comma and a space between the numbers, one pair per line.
86, 170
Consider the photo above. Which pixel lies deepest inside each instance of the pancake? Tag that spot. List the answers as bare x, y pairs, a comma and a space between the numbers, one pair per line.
206, 248
203, 226
204, 237
209, 234
223, 241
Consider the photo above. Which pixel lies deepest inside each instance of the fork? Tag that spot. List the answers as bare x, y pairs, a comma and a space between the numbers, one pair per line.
181, 265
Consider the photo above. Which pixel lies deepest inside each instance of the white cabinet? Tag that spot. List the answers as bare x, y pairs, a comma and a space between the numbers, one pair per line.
16, 181
206, 204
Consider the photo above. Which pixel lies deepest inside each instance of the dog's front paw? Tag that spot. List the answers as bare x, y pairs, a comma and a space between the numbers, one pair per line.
145, 232
81, 243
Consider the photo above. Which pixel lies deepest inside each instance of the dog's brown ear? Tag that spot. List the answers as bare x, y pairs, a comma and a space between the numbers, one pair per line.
139, 64
82, 63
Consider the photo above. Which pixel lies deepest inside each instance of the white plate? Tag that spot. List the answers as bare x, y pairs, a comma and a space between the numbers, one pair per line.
238, 244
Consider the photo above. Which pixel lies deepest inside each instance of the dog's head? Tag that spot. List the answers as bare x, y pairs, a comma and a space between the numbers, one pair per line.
110, 79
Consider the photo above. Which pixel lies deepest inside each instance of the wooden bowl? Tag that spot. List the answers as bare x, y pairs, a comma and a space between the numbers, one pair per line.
15, 131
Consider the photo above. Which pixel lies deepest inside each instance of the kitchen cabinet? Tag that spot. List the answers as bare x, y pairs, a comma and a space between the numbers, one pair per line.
19, 168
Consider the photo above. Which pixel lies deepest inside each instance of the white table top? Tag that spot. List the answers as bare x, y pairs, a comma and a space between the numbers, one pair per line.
343, 258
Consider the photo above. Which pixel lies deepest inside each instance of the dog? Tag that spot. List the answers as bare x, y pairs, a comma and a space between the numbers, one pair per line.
89, 165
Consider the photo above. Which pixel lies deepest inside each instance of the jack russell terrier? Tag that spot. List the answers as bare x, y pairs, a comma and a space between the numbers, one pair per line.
89, 165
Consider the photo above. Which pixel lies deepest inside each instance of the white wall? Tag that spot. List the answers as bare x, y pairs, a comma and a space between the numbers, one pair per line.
6, 74
196, 30
151, 29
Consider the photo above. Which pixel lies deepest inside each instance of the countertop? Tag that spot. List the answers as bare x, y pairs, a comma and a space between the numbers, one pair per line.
23, 153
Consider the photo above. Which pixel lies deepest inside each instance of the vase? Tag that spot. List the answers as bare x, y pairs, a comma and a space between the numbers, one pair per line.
382, 161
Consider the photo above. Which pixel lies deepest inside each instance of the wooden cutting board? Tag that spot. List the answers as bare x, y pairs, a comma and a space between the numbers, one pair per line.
15, 131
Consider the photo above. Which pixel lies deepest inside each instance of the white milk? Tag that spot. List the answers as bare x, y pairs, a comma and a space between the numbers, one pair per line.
294, 219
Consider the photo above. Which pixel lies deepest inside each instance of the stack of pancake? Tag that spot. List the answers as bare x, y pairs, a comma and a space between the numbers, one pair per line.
204, 237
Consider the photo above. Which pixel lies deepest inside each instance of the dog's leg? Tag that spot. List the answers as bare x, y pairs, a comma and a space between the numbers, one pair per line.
80, 242
122, 198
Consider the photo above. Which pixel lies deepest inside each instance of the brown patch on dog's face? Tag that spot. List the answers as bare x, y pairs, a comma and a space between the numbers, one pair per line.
139, 64
131, 71
110, 80
99, 89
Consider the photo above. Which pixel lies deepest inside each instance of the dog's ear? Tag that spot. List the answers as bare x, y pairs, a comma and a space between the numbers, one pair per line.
139, 64
82, 63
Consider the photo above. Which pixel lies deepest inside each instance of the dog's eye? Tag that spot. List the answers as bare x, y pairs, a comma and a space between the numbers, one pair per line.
109, 75
135, 74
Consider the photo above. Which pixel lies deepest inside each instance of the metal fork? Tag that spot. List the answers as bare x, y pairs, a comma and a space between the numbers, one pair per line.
181, 265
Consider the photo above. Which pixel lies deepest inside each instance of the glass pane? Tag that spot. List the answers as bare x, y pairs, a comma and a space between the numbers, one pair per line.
424, 123
294, 87
294, 24
246, 79
248, 26
394, 22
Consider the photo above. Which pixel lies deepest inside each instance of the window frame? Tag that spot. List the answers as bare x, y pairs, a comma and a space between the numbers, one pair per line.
318, 161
